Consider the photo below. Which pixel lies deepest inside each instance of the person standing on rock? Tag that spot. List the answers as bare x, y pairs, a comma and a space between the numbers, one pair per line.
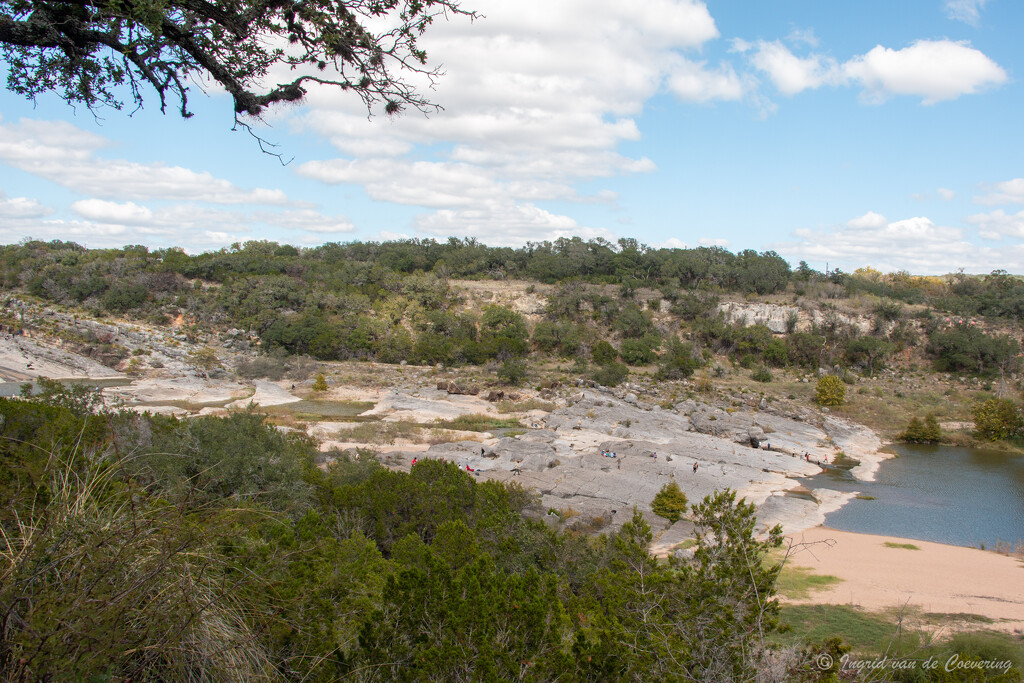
695, 467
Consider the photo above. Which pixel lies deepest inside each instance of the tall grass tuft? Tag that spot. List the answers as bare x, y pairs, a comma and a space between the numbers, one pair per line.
99, 581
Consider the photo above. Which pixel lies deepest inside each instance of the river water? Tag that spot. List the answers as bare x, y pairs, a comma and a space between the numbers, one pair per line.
960, 496
8, 389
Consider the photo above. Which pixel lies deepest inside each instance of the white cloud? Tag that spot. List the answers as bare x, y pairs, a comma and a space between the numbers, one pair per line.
532, 108
933, 70
997, 224
1006, 192
473, 176
945, 194
713, 242
967, 11
792, 74
66, 155
868, 220
185, 221
113, 212
805, 36
672, 243
95, 234
915, 244
306, 219
14, 208
694, 82
505, 224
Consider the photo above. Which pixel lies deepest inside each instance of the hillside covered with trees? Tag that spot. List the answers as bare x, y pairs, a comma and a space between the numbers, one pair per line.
395, 301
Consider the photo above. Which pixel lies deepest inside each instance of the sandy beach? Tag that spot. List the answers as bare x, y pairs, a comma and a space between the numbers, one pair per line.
935, 578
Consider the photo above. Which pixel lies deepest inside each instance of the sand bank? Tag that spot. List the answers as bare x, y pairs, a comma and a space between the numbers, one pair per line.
934, 578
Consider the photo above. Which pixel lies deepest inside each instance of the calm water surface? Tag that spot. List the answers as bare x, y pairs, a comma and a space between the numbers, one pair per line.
961, 496
8, 389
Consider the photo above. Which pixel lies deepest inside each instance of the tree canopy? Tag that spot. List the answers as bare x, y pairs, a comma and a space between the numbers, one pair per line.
261, 51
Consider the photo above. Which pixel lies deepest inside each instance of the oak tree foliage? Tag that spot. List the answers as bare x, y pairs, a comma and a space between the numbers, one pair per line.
262, 52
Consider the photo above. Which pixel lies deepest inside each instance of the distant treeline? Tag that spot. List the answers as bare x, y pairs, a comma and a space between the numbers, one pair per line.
363, 263
392, 301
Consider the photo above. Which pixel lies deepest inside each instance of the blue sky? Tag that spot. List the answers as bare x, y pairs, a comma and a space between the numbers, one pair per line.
882, 134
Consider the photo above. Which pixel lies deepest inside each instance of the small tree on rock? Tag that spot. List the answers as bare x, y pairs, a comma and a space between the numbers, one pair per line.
204, 360
320, 383
670, 502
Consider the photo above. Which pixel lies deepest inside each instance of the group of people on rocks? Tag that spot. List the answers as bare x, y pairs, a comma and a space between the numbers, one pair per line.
819, 463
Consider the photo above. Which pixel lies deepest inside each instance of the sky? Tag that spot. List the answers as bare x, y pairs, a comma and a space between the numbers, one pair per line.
846, 134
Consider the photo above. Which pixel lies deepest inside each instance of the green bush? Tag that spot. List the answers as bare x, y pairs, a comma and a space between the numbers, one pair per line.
762, 374
678, 361
639, 351
604, 353
670, 502
965, 348
830, 391
997, 419
611, 374
917, 431
512, 371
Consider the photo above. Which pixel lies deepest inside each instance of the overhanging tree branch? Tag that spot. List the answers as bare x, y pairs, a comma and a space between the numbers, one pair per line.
86, 50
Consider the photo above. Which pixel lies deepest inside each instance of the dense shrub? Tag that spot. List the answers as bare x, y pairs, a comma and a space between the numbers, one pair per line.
610, 374
830, 391
512, 371
603, 353
680, 360
962, 347
125, 297
670, 502
997, 419
919, 431
639, 351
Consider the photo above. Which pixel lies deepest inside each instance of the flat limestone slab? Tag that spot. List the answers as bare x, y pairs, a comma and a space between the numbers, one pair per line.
267, 394
24, 358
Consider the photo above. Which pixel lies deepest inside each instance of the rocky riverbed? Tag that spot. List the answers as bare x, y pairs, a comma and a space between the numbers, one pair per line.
592, 454
597, 456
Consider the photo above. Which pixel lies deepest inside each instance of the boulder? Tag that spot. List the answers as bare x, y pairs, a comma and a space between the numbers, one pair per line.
756, 436
454, 388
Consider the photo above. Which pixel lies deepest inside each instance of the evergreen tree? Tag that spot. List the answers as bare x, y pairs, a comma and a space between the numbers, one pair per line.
670, 502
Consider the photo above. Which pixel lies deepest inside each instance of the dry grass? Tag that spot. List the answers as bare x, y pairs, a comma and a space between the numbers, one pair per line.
505, 407
94, 556
477, 423
381, 432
